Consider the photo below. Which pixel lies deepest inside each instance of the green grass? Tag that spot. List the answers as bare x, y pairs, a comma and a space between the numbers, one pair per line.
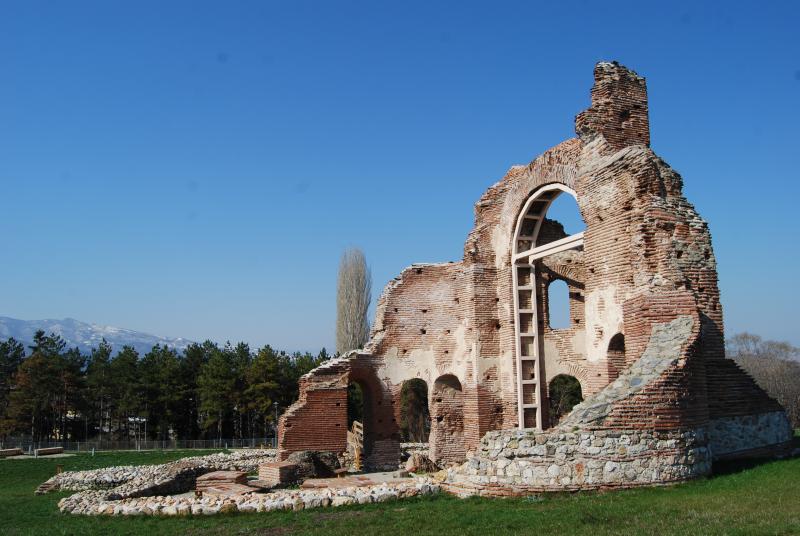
763, 499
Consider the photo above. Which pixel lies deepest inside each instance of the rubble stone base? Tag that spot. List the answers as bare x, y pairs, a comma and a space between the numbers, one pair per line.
522, 462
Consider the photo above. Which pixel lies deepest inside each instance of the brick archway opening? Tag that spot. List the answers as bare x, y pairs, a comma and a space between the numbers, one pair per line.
563, 393
415, 417
360, 400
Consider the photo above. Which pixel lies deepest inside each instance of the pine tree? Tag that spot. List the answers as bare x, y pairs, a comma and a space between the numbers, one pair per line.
263, 386
216, 384
11, 355
161, 386
99, 385
126, 399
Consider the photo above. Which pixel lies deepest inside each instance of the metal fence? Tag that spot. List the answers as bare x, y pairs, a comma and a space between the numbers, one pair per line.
27, 445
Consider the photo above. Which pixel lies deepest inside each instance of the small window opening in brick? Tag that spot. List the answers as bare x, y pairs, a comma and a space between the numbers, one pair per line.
497, 325
447, 351
338, 404
415, 417
447, 331
424, 311
679, 254
439, 418
419, 270
395, 309
558, 304
616, 356
422, 331
457, 300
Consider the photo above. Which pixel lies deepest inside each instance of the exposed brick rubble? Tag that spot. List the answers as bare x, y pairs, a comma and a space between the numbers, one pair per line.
645, 338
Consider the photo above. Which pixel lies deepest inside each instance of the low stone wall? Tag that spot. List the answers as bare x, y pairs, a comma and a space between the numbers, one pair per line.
142, 480
521, 462
732, 437
94, 503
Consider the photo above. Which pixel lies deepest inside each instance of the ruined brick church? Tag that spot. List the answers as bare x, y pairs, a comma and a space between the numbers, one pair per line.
644, 340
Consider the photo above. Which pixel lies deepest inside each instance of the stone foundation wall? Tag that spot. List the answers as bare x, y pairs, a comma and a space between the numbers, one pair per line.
521, 462
756, 435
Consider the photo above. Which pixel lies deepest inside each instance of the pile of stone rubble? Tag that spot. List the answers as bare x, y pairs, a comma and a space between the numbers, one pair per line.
140, 480
161, 489
95, 503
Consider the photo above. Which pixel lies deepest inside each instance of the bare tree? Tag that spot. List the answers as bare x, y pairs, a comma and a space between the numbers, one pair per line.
775, 366
353, 294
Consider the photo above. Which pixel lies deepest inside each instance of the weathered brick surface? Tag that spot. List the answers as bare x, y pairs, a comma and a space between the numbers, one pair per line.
646, 263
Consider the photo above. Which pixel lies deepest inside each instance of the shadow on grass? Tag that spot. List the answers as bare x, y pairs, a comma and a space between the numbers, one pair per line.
729, 467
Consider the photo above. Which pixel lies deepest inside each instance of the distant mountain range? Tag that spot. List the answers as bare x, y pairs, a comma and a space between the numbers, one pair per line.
85, 336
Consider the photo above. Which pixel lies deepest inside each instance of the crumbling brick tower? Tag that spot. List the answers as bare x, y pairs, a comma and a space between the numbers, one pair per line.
645, 338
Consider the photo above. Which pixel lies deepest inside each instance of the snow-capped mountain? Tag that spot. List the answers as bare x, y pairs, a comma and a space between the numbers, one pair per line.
85, 336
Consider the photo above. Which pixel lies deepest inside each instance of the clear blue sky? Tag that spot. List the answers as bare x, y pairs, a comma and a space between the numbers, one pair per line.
196, 168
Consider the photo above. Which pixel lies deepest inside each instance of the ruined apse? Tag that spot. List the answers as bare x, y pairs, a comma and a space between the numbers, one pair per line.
644, 339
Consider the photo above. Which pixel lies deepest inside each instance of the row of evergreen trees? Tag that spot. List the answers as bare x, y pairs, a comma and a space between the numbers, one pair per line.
53, 392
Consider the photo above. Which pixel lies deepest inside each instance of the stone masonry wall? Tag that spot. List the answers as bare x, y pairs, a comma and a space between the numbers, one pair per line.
523, 462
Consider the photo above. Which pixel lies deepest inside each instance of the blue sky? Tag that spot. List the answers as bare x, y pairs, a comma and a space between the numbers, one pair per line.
196, 168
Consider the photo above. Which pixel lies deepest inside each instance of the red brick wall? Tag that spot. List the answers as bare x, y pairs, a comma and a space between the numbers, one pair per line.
647, 258
619, 108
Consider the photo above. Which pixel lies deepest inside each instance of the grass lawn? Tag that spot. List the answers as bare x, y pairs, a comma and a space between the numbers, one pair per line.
763, 499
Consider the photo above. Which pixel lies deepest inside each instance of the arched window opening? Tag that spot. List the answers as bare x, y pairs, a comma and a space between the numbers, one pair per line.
616, 356
415, 418
564, 210
558, 305
564, 393
549, 224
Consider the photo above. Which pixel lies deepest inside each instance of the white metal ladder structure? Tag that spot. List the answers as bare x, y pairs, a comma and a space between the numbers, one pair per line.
525, 254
